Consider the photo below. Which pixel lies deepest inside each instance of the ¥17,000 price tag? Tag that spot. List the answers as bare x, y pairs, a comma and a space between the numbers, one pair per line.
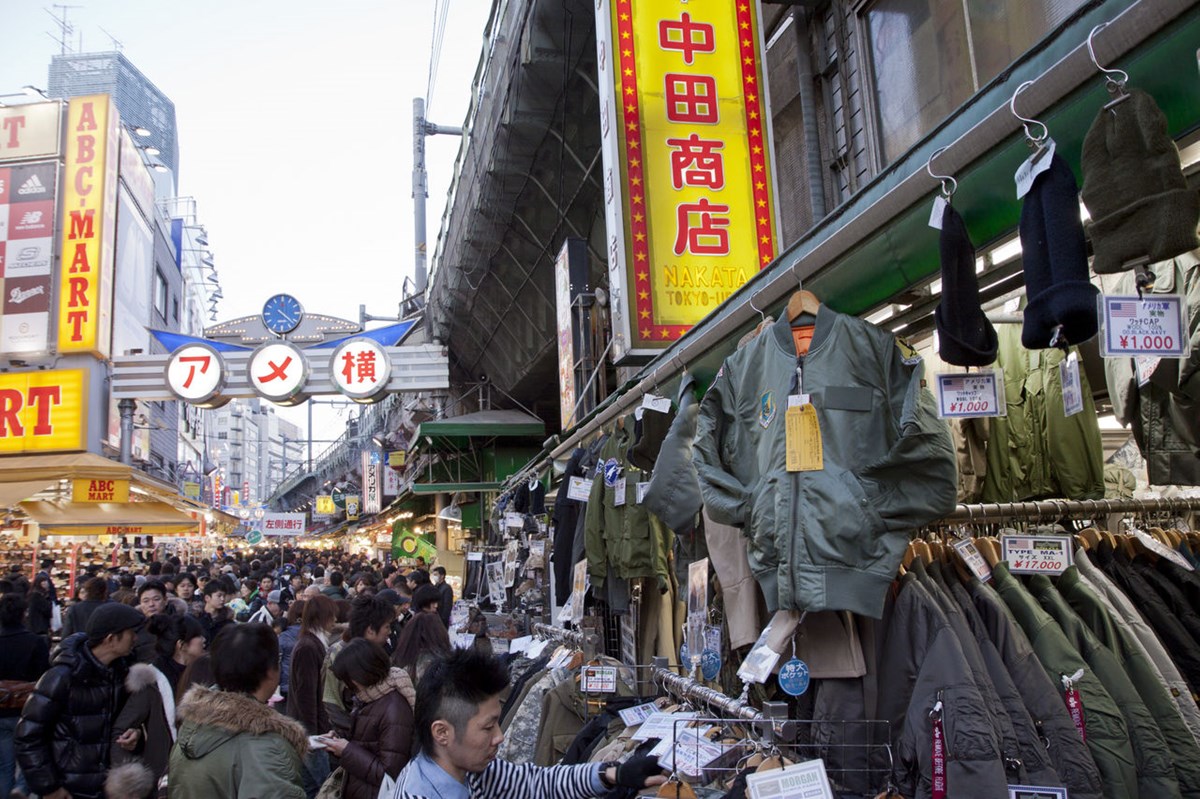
1037, 554
1154, 325
970, 394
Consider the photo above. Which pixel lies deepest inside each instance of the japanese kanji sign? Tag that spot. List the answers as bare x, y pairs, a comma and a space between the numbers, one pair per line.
360, 368
196, 373
687, 162
283, 524
278, 372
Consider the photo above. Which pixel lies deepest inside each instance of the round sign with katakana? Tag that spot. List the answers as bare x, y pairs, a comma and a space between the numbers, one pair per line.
278, 372
196, 374
360, 369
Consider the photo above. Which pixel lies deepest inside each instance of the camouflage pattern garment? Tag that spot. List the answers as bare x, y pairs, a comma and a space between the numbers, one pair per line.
520, 741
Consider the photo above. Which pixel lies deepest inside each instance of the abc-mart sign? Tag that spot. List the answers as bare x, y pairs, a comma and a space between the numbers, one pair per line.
207, 375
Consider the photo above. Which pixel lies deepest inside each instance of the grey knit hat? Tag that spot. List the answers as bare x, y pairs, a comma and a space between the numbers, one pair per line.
1134, 189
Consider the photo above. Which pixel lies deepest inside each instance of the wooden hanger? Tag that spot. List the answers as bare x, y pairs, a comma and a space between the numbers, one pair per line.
802, 302
674, 789
921, 549
989, 549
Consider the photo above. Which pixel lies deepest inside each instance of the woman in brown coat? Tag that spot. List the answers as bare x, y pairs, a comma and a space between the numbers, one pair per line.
381, 723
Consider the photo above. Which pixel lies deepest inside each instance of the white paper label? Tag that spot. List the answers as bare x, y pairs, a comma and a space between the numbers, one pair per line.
579, 489
520, 645
535, 649
806, 780
642, 488
619, 492
653, 402
965, 547
1146, 364
799, 400
663, 725
633, 716
1072, 390
691, 753
598, 680
512, 520
971, 394
935, 215
762, 659
1040, 554
464, 640
474, 556
1033, 166
1151, 326
1157, 547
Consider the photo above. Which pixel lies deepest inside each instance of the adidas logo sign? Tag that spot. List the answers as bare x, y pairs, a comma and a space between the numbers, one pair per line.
32, 186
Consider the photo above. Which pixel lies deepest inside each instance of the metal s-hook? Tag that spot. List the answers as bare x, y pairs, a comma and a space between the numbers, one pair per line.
761, 312
949, 188
1116, 86
1027, 121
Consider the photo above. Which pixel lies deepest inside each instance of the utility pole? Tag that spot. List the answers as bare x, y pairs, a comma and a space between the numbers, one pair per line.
421, 129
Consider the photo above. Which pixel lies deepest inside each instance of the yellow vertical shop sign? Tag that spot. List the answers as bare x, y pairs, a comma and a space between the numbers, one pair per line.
43, 411
687, 154
88, 224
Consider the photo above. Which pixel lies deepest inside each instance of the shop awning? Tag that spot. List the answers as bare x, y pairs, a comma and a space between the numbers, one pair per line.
109, 518
21, 490
458, 432
451, 488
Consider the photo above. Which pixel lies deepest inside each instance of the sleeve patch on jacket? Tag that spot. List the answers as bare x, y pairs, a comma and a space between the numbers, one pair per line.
908, 355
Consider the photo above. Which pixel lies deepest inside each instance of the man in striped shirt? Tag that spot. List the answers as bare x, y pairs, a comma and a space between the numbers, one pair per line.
457, 720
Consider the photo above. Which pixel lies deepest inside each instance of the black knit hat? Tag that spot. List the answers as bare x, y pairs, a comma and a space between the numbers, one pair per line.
965, 336
1134, 189
1054, 254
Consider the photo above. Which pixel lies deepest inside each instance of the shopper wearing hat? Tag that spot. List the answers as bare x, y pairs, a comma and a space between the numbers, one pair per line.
65, 732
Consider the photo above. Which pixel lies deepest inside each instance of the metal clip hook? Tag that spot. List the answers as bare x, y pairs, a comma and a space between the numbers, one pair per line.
1115, 85
1034, 141
947, 190
761, 312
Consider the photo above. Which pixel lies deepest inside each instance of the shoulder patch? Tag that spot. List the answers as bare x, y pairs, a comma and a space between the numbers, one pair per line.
908, 355
766, 409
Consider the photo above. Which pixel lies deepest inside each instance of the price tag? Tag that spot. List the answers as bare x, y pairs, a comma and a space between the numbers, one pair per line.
762, 659
633, 716
662, 725
642, 488
464, 640
803, 439
579, 489
652, 402
1146, 364
619, 492
1072, 390
691, 753
599, 680
1157, 547
475, 556
512, 520
520, 645
971, 394
1033, 166
535, 649
1035, 792
1041, 554
806, 780
966, 550
935, 216
1155, 325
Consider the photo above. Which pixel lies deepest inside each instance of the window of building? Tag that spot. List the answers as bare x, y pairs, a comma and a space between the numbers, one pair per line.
174, 309
160, 294
931, 56
223, 435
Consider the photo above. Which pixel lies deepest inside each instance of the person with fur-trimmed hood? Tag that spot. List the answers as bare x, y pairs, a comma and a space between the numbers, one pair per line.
150, 709
231, 743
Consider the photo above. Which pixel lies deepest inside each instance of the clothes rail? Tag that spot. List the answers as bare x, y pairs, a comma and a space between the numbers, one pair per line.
587, 641
687, 688
1055, 508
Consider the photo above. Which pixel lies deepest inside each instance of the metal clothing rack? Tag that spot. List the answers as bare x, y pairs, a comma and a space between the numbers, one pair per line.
1056, 508
688, 688
587, 641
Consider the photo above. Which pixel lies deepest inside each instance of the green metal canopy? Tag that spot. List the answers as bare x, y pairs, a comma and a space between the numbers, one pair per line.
465, 431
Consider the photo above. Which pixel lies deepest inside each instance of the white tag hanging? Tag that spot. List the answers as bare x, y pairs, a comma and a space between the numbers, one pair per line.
1033, 166
653, 402
619, 493
1072, 391
939, 208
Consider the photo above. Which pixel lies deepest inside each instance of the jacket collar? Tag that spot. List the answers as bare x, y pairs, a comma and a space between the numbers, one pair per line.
239, 713
397, 680
781, 330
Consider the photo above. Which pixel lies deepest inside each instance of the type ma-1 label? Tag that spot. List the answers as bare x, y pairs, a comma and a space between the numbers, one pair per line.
1042, 554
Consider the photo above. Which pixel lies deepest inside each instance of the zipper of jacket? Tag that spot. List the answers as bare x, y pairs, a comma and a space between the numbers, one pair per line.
795, 526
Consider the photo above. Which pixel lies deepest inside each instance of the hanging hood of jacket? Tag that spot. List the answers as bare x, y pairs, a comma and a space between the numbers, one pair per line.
397, 680
218, 717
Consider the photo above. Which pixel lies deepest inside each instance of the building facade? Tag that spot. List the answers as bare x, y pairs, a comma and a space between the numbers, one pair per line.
253, 449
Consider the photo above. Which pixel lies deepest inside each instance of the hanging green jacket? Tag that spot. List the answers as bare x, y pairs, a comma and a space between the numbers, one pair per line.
1037, 451
1152, 756
1107, 734
1042, 697
624, 541
1112, 633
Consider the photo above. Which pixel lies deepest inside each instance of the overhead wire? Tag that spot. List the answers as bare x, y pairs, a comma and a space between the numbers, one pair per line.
441, 13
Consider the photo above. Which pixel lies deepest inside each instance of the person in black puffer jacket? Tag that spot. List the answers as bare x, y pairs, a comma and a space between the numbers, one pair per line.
23, 657
65, 732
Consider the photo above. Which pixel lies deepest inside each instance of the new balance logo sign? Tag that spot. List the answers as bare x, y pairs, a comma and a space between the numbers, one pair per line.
32, 186
31, 218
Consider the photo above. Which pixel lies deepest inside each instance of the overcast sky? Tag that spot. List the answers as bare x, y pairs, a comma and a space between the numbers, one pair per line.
295, 130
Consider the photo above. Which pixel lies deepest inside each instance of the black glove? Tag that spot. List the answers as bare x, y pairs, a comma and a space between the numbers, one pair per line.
634, 772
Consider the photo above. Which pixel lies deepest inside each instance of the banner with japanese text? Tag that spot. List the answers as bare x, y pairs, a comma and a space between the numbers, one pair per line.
688, 175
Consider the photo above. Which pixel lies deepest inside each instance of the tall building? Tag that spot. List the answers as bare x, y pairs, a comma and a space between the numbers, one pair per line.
140, 102
253, 448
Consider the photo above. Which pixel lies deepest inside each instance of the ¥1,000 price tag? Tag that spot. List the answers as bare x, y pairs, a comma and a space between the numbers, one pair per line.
1037, 554
971, 394
1153, 325
966, 550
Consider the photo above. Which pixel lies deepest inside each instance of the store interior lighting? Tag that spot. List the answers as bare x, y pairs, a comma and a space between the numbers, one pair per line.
142, 131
